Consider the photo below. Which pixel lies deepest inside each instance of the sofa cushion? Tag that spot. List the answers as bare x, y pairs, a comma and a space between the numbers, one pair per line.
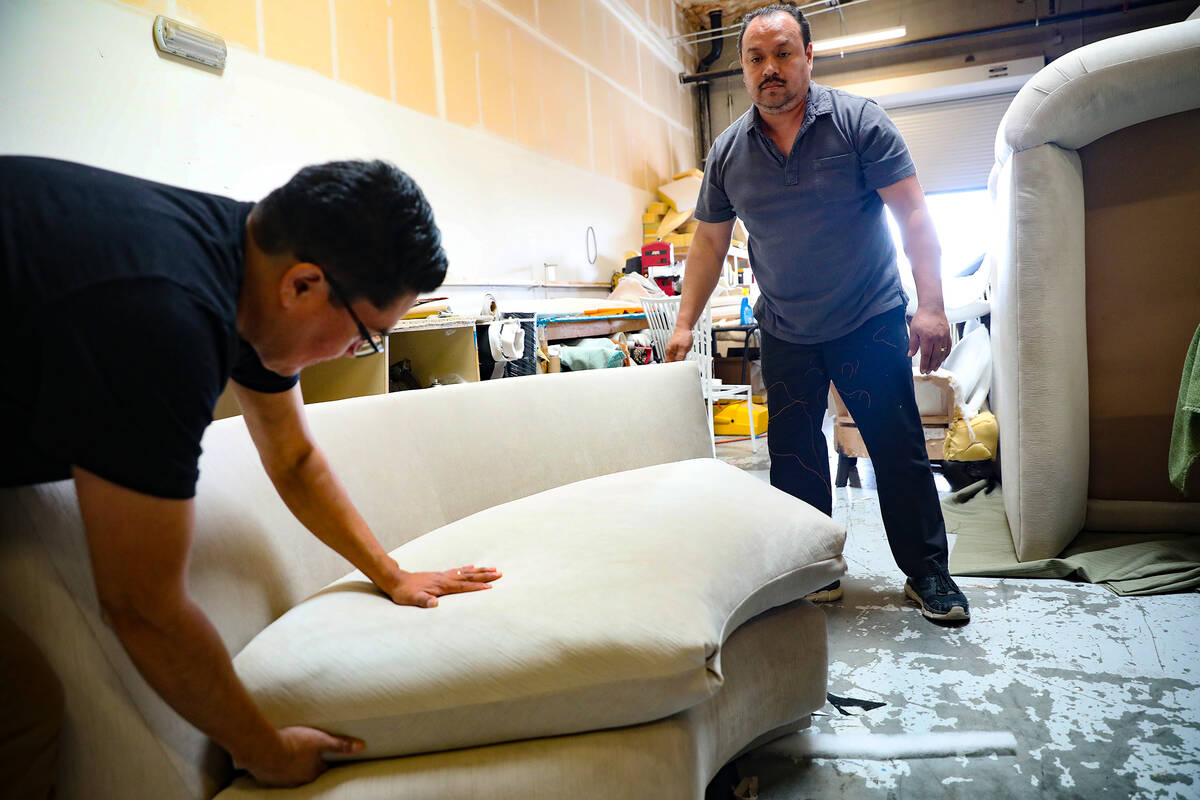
618, 592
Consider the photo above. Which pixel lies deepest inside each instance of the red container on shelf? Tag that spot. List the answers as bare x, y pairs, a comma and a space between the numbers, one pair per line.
657, 254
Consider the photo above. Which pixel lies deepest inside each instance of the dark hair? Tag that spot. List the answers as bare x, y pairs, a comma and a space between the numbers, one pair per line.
365, 222
777, 8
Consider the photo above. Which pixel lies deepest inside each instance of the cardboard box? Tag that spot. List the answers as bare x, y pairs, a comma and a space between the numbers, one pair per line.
729, 370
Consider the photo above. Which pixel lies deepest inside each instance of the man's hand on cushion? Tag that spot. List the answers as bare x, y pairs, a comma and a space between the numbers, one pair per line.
422, 589
297, 756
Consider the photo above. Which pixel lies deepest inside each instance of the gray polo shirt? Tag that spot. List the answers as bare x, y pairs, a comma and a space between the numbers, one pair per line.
819, 242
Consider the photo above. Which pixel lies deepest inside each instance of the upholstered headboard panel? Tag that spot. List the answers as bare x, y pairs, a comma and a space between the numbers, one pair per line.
1044, 303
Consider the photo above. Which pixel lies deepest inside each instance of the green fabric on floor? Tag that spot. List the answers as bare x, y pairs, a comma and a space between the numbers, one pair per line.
1185, 435
1126, 563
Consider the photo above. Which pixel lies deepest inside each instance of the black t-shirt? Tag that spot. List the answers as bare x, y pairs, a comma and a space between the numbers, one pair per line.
118, 311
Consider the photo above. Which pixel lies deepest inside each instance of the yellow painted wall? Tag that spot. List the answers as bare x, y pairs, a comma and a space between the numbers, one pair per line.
569, 79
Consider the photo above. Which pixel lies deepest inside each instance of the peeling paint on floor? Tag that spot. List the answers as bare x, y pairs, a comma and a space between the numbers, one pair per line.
1101, 692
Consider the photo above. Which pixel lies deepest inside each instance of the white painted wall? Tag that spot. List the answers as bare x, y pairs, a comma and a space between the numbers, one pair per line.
81, 80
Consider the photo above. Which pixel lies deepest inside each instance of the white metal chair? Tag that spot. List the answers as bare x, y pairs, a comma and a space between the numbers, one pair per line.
661, 314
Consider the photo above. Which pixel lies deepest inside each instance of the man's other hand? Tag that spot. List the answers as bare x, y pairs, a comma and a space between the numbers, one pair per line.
422, 589
929, 332
298, 758
679, 345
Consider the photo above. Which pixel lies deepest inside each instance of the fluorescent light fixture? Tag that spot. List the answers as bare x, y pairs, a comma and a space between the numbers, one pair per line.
842, 42
171, 36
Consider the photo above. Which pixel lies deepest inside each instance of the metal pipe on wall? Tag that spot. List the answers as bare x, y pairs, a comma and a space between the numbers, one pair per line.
703, 114
704, 77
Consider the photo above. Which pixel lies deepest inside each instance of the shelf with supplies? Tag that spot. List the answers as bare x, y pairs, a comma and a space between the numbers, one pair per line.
554, 329
441, 348
436, 347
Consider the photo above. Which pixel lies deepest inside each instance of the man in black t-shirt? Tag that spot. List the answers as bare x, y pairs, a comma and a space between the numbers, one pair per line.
125, 307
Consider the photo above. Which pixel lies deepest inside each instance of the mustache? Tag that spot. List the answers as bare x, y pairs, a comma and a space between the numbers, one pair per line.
770, 82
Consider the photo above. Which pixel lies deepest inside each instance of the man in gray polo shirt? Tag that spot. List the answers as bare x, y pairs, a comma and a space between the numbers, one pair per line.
809, 170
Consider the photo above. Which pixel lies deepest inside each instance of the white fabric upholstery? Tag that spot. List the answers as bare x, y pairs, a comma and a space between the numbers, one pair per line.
1104, 87
412, 461
775, 674
618, 592
1039, 346
1039, 336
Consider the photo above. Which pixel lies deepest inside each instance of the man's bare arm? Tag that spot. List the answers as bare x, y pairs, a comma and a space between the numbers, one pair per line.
302, 476
929, 331
139, 551
700, 275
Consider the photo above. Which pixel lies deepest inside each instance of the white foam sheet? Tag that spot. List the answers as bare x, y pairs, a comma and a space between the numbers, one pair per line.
884, 747
970, 367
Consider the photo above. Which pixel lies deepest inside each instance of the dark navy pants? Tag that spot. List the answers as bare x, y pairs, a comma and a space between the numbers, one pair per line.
872, 372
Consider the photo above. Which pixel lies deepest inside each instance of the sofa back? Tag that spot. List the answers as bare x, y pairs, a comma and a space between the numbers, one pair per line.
1042, 292
411, 461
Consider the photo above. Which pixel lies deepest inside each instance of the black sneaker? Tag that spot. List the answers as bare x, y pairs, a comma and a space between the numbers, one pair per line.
826, 594
939, 597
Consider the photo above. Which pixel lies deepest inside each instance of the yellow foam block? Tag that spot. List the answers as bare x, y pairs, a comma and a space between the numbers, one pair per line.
647, 238
657, 208
650, 227
648, 218
730, 419
673, 220
975, 443
679, 239
681, 194
426, 310
691, 226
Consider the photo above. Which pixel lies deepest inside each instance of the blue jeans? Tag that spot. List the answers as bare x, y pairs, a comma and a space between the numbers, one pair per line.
871, 371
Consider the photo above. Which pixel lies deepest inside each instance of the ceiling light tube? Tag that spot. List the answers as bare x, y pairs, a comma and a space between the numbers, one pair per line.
842, 42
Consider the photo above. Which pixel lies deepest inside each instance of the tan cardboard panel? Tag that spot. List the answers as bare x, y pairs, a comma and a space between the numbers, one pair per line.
496, 100
575, 101
412, 54
602, 146
362, 45
562, 21
157, 6
525, 9
298, 32
527, 93
628, 61
235, 21
1141, 239
654, 90
594, 51
456, 21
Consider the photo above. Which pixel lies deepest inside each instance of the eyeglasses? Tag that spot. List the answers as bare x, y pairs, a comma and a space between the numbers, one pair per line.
374, 340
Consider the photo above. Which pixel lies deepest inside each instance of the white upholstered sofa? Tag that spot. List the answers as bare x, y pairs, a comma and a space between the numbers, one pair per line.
648, 627
1096, 288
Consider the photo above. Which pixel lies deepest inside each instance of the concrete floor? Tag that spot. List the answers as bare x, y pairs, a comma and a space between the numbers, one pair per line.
1100, 692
